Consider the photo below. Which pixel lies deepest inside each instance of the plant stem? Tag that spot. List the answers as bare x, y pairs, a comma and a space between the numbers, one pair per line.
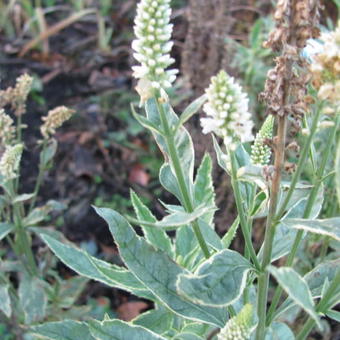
263, 279
243, 218
321, 307
39, 179
187, 201
308, 209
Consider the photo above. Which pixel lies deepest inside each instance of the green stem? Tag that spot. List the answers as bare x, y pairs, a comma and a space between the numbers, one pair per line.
187, 201
263, 279
243, 218
39, 179
308, 209
321, 307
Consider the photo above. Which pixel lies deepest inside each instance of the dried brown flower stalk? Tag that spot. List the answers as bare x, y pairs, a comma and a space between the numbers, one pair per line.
285, 95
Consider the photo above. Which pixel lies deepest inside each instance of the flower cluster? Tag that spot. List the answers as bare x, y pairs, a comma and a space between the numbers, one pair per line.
7, 129
10, 161
54, 119
238, 327
227, 110
152, 46
325, 67
260, 151
17, 96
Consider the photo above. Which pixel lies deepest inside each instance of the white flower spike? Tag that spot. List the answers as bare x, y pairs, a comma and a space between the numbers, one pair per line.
152, 46
10, 161
227, 110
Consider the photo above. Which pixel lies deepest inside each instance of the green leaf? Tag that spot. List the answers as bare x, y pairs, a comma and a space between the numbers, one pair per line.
156, 236
219, 281
191, 110
317, 277
182, 140
84, 264
145, 122
279, 331
231, 233
169, 181
158, 320
156, 270
203, 187
328, 227
187, 336
221, 156
5, 305
33, 299
175, 220
297, 288
337, 169
5, 229
333, 314
119, 330
63, 330
22, 198
48, 153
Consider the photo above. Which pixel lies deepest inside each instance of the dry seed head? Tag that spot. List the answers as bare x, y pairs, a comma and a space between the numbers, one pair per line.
54, 119
10, 161
20, 93
7, 129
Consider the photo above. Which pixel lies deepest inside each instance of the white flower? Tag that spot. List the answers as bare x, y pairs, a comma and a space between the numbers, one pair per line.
238, 327
152, 46
10, 161
227, 111
7, 129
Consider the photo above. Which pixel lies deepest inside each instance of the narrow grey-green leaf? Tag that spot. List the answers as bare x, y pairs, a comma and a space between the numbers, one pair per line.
337, 171
84, 264
156, 270
63, 330
120, 330
156, 236
317, 277
33, 299
221, 157
333, 314
191, 109
158, 320
5, 229
145, 122
169, 181
187, 336
279, 331
219, 281
297, 289
329, 227
231, 233
23, 198
5, 305
203, 187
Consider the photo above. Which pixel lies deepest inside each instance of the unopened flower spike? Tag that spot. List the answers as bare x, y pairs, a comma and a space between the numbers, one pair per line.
152, 46
227, 110
10, 161
238, 327
7, 129
260, 152
54, 119
20, 93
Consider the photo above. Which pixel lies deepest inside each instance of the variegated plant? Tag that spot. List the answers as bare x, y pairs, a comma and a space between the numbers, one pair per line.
200, 288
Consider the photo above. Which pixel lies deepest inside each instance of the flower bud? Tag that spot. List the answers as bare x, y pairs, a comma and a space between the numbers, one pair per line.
260, 152
7, 130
